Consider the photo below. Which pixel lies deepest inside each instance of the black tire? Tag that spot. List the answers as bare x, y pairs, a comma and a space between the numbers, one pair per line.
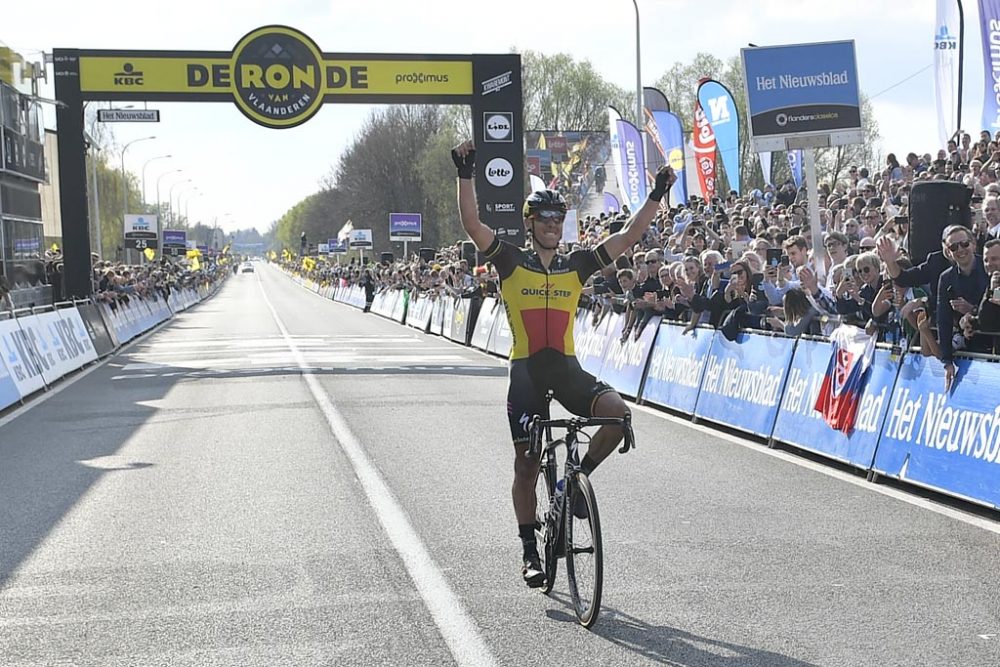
584, 553
544, 489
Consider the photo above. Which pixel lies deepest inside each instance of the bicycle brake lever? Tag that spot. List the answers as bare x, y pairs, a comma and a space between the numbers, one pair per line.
629, 439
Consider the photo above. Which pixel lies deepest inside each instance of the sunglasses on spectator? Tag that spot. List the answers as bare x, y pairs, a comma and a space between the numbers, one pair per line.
959, 244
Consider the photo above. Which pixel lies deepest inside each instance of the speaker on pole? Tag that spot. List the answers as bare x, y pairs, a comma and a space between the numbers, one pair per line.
934, 205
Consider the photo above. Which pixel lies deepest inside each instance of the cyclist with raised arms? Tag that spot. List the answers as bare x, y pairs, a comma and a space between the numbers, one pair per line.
541, 288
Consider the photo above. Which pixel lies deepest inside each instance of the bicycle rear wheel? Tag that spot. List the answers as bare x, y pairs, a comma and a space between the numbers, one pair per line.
584, 553
545, 486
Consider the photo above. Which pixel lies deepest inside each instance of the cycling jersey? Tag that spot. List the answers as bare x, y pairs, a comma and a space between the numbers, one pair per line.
541, 304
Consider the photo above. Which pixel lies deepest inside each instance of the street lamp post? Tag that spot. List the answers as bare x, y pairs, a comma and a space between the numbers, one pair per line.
166, 173
125, 189
158, 157
639, 124
179, 195
191, 194
170, 199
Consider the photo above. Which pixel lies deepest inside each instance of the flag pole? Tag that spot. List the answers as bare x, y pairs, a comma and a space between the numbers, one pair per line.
961, 62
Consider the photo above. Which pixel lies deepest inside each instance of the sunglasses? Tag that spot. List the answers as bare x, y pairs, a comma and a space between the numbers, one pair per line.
551, 216
959, 244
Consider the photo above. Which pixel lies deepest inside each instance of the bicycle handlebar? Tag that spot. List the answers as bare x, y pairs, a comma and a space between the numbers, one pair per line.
536, 425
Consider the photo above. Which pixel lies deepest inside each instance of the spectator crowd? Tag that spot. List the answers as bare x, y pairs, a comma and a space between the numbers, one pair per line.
739, 262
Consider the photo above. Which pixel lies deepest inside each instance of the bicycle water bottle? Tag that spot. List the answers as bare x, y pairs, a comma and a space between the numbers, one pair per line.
560, 492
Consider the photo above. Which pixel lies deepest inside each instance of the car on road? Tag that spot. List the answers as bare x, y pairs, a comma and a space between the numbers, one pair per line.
246, 268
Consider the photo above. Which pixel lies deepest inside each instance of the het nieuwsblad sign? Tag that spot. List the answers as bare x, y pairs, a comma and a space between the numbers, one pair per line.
276, 75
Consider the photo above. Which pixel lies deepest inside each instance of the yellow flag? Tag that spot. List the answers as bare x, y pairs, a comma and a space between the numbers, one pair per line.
308, 263
150, 254
541, 141
55, 247
193, 254
195, 264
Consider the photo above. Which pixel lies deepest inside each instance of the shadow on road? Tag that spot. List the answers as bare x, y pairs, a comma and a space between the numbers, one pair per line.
672, 646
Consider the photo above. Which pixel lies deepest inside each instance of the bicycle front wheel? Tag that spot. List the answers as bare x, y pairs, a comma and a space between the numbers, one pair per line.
545, 538
584, 553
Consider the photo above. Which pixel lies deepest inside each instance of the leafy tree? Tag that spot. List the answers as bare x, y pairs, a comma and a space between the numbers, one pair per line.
561, 93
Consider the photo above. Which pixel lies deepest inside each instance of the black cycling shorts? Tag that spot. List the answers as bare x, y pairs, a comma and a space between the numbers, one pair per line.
548, 369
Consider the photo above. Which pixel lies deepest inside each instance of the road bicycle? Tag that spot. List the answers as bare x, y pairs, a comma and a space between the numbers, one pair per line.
562, 528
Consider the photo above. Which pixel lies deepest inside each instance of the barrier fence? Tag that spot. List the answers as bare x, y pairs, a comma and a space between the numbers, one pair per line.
38, 346
907, 427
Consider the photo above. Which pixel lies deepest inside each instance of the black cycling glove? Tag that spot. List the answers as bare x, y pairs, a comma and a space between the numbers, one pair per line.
466, 165
662, 183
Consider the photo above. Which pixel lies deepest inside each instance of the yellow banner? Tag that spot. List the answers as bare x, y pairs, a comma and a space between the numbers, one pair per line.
183, 75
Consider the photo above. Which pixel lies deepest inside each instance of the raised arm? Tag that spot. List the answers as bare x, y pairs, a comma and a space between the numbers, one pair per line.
464, 157
616, 244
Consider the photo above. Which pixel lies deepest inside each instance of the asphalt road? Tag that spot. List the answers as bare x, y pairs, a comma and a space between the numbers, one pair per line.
202, 500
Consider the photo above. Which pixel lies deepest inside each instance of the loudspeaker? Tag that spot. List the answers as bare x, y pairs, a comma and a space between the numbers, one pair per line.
387, 258
427, 255
934, 205
471, 255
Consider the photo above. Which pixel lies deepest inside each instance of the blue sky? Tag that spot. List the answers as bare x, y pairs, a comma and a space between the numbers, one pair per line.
255, 174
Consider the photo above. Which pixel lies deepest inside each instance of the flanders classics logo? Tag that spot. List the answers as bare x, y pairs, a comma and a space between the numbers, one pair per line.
278, 76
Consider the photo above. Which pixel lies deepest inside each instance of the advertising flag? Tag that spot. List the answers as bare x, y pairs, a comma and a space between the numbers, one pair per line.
846, 374
664, 141
795, 165
611, 204
947, 33
703, 142
765, 166
536, 183
345, 231
989, 18
718, 104
626, 146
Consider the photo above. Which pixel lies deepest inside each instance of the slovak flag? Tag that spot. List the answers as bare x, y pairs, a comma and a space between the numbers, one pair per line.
846, 375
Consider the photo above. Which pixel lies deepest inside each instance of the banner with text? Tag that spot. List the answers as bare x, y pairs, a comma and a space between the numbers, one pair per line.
948, 441
947, 33
718, 104
625, 361
664, 141
802, 89
676, 367
800, 425
743, 381
405, 227
703, 143
989, 22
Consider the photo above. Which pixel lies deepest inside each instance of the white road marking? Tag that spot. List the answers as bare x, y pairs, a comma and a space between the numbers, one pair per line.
457, 628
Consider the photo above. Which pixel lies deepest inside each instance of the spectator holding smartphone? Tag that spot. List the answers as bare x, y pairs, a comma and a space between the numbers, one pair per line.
959, 287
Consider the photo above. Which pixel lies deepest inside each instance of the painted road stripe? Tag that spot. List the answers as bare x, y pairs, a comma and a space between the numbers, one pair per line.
456, 626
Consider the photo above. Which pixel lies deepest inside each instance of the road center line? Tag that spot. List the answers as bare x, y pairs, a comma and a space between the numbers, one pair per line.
459, 631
